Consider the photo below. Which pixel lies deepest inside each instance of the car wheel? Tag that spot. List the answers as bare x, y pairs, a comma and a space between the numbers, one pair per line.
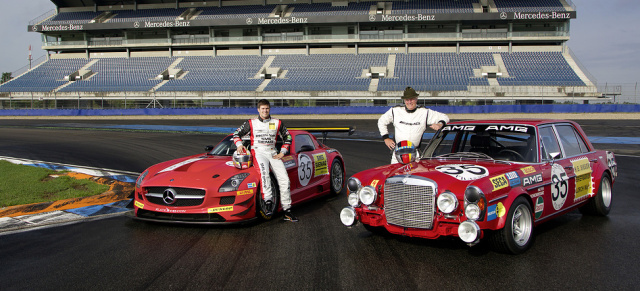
517, 234
262, 210
600, 204
337, 177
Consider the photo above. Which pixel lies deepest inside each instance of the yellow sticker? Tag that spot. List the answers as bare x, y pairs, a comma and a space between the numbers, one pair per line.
320, 163
220, 209
272, 126
500, 210
374, 183
244, 192
139, 204
582, 169
528, 170
499, 182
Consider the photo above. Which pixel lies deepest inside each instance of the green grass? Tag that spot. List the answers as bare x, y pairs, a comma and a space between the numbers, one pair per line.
20, 184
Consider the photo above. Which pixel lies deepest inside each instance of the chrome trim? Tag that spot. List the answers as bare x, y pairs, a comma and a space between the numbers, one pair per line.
410, 201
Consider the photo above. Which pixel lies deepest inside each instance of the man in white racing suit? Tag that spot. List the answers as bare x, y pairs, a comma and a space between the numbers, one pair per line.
263, 132
409, 122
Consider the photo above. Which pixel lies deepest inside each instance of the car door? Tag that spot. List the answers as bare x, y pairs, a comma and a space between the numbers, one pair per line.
312, 167
577, 162
557, 173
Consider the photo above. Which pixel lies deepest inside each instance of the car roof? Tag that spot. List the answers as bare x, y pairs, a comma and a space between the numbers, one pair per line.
534, 122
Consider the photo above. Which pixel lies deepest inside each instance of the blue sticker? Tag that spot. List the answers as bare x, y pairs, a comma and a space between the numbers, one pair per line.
492, 212
514, 179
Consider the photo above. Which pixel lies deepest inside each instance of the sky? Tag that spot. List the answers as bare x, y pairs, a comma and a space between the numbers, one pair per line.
605, 37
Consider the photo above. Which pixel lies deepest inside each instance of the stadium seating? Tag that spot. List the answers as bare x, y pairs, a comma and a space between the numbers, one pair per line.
45, 77
432, 7
529, 5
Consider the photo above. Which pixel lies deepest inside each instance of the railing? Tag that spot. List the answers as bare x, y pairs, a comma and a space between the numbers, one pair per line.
43, 17
583, 68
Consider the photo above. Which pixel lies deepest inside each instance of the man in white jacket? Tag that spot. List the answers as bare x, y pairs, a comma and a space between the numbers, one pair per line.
409, 121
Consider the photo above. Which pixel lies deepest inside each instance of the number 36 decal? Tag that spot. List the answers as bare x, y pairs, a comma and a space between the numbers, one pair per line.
464, 172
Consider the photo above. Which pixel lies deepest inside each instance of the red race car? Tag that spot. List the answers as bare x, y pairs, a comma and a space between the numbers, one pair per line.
207, 188
492, 180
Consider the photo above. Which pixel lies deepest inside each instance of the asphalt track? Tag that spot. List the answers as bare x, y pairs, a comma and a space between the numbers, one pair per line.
318, 253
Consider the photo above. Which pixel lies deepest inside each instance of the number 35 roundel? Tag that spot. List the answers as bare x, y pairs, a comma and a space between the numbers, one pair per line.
464, 172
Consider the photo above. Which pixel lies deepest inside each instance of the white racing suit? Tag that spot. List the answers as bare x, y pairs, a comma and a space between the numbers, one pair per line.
263, 147
409, 125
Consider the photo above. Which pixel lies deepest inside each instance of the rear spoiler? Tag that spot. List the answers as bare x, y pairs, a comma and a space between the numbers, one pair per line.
326, 130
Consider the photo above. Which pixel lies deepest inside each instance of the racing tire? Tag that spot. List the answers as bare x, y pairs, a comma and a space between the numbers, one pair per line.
517, 234
336, 177
600, 205
261, 207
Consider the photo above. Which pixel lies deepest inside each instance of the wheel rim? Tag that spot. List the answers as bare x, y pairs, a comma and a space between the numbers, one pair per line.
521, 225
337, 179
606, 193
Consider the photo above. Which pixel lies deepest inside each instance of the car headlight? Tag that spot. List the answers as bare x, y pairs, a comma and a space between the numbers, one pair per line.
472, 211
353, 199
469, 232
353, 184
141, 178
348, 216
447, 202
233, 183
368, 195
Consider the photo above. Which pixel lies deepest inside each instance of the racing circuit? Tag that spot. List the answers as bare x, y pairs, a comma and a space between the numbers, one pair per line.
318, 252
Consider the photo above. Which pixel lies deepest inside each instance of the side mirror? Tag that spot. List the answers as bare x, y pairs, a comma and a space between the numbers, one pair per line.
553, 156
208, 148
306, 148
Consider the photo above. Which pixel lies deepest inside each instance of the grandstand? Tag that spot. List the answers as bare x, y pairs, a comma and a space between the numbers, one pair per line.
140, 53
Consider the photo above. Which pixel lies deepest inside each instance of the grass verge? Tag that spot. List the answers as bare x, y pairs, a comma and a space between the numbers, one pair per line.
20, 184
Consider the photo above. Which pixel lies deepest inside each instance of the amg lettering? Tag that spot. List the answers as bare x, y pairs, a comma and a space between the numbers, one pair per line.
507, 128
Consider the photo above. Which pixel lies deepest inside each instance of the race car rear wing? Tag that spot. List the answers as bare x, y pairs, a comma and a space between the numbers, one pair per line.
326, 130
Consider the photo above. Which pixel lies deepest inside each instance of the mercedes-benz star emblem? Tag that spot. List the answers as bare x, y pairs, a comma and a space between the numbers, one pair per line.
503, 15
372, 18
169, 196
249, 21
136, 24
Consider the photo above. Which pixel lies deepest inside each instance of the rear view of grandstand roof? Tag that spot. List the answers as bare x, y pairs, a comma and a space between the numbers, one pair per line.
354, 51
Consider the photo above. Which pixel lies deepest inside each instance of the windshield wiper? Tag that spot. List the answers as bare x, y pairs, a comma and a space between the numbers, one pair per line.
473, 155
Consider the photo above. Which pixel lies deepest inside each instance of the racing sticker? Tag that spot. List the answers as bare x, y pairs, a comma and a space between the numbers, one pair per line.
244, 192
539, 207
535, 179
611, 163
528, 170
514, 179
305, 169
374, 183
251, 185
559, 186
220, 209
499, 182
320, 164
582, 169
464, 172
180, 164
495, 211
289, 162
139, 204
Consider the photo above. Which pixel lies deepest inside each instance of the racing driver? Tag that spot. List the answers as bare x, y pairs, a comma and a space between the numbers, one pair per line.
410, 121
263, 131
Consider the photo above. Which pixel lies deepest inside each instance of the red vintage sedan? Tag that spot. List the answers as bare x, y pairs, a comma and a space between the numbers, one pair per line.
490, 179
208, 189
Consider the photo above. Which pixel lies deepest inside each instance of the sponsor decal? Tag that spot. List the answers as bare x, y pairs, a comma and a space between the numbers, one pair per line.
251, 185
139, 204
539, 207
499, 182
514, 179
582, 169
305, 169
495, 211
167, 210
560, 186
244, 192
460, 127
374, 183
288, 161
180, 164
535, 179
514, 128
220, 209
540, 192
528, 170
464, 172
272, 126
320, 164
611, 163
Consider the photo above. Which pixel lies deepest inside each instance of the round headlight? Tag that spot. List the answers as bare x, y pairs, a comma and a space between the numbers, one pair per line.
353, 200
469, 231
473, 194
353, 184
472, 211
348, 216
368, 195
447, 202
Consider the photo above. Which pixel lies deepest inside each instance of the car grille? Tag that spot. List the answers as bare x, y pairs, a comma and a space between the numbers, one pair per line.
184, 197
409, 201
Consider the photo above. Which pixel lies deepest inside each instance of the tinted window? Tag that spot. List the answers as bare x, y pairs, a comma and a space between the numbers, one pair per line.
301, 140
573, 145
549, 143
